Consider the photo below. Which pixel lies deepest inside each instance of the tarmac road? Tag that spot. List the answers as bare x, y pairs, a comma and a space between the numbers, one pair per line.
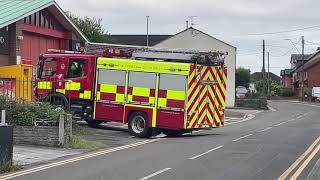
276, 144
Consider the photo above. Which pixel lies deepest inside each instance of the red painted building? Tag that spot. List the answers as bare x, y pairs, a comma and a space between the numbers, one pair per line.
30, 28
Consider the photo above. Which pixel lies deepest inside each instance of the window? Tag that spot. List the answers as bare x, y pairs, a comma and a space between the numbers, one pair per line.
142, 79
49, 67
172, 82
76, 68
113, 77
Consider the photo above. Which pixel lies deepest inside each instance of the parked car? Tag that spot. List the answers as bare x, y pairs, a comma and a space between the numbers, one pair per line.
241, 92
316, 94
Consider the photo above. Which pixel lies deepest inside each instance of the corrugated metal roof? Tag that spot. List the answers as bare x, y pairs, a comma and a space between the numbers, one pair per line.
14, 10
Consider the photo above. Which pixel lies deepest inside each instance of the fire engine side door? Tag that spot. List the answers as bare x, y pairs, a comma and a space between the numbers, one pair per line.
110, 95
78, 78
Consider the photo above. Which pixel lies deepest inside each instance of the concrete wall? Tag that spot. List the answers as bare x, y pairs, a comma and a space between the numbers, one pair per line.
196, 40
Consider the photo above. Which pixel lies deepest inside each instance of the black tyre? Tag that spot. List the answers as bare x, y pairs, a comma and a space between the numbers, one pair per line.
138, 125
59, 101
93, 123
173, 133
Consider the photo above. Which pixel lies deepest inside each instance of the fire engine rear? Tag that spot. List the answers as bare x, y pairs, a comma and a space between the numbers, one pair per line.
151, 90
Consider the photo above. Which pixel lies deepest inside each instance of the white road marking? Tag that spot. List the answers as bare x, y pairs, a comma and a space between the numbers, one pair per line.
250, 116
266, 129
272, 109
235, 140
294, 119
280, 124
87, 156
155, 174
197, 156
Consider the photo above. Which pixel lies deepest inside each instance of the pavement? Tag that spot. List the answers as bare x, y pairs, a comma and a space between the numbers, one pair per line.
26, 155
279, 144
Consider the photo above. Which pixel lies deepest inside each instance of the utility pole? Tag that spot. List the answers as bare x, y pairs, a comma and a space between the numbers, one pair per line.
187, 24
148, 31
303, 71
269, 94
264, 67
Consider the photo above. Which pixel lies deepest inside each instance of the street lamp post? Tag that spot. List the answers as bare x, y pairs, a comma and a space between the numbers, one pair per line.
148, 31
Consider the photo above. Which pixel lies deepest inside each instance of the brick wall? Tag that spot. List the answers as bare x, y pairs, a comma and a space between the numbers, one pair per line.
287, 81
314, 76
52, 136
41, 136
14, 43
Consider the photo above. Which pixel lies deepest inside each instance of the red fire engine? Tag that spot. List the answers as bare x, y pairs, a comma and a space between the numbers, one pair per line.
152, 90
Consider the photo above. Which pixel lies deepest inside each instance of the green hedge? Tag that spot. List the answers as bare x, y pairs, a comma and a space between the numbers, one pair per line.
22, 113
260, 103
287, 92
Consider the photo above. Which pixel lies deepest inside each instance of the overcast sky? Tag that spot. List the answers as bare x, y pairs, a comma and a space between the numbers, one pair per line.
233, 21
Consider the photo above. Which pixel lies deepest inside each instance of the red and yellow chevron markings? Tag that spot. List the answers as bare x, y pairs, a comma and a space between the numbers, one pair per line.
206, 97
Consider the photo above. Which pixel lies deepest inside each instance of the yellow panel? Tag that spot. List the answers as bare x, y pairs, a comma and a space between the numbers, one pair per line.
23, 76
98, 96
120, 98
144, 66
176, 95
130, 98
108, 88
63, 91
162, 102
151, 100
72, 86
45, 85
87, 94
139, 91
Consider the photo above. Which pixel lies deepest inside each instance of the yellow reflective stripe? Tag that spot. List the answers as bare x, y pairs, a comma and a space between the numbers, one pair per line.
44, 85
72, 86
63, 91
130, 98
151, 100
140, 91
176, 95
144, 66
85, 95
119, 97
108, 88
162, 102
98, 96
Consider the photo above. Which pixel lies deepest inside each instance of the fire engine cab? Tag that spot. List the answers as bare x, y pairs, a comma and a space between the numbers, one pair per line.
151, 90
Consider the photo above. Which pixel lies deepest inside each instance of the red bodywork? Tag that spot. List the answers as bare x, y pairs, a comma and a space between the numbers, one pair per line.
60, 78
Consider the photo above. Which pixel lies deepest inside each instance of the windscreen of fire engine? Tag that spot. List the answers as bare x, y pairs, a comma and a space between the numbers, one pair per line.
49, 67
112, 77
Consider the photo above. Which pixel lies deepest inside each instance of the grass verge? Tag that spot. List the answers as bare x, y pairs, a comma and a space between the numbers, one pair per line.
9, 168
78, 143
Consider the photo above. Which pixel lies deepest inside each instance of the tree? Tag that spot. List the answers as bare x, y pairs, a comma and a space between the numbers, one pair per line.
242, 77
274, 87
91, 27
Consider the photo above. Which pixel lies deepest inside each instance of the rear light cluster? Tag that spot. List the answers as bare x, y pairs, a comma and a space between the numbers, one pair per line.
116, 53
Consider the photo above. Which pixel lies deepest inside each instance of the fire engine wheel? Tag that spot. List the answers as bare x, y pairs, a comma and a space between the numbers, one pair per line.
60, 101
138, 125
